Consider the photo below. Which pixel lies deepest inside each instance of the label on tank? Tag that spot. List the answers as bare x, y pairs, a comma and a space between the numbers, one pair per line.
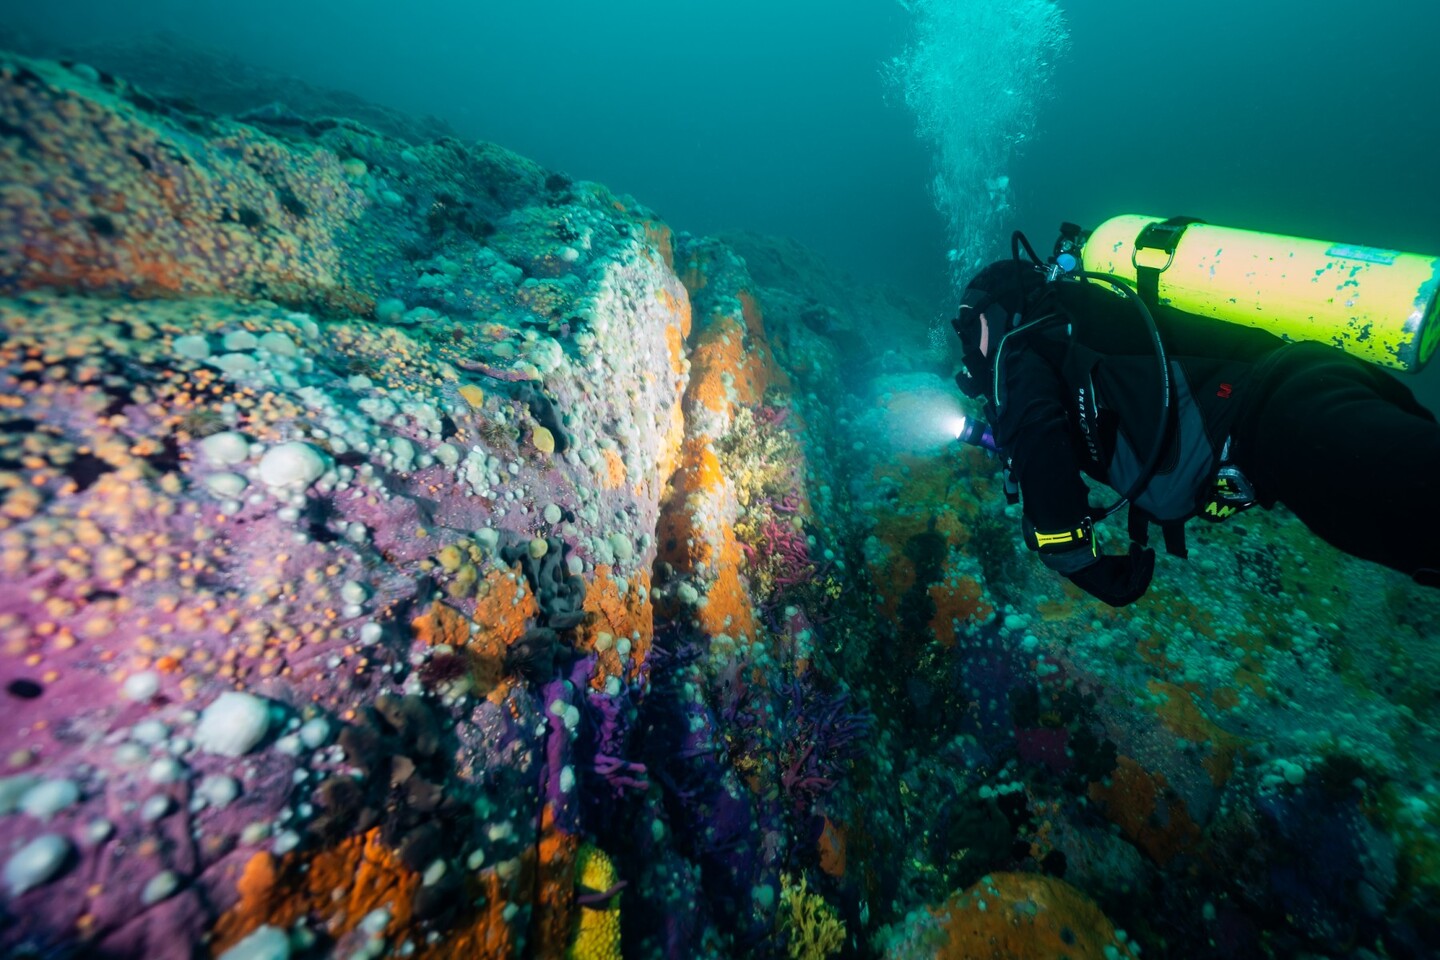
1368, 254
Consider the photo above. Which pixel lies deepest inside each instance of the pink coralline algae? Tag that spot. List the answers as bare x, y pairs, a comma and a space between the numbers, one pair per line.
771, 418
784, 550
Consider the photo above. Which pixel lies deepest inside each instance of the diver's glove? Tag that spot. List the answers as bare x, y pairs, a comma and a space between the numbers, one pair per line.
1071, 552
1117, 580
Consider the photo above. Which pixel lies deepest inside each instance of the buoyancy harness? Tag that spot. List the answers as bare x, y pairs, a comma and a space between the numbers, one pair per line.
1167, 500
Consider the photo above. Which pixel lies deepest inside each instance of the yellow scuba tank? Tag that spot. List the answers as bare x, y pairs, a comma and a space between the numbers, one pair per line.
1380, 305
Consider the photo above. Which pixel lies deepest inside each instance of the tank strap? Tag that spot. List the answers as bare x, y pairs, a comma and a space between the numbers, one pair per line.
1164, 236
1173, 531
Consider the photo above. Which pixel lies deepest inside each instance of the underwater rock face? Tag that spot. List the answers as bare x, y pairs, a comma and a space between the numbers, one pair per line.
228, 513
407, 549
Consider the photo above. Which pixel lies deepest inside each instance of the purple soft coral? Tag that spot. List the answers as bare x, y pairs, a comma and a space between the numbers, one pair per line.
611, 733
822, 734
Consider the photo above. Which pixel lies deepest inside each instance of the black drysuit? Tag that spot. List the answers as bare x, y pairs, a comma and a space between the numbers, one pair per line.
1340, 442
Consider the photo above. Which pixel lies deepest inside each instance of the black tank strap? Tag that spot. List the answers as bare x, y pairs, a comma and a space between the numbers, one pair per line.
1165, 237
1138, 523
1175, 539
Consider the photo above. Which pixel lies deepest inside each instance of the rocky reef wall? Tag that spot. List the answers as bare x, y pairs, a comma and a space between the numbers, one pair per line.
409, 550
337, 473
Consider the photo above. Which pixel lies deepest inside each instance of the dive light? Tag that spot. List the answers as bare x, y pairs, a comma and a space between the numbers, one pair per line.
977, 433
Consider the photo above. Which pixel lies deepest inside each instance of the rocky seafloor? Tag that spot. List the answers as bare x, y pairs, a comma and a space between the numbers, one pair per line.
411, 551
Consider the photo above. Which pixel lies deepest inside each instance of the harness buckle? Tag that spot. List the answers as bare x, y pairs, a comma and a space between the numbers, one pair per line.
1134, 253
1163, 235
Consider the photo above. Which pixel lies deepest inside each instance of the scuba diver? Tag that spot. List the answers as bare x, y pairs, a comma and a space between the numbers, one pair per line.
1184, 415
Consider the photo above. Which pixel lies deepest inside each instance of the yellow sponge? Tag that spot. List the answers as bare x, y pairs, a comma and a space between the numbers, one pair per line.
597, 934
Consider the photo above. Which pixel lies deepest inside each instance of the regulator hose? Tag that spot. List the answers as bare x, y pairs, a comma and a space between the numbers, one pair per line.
1162, 427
